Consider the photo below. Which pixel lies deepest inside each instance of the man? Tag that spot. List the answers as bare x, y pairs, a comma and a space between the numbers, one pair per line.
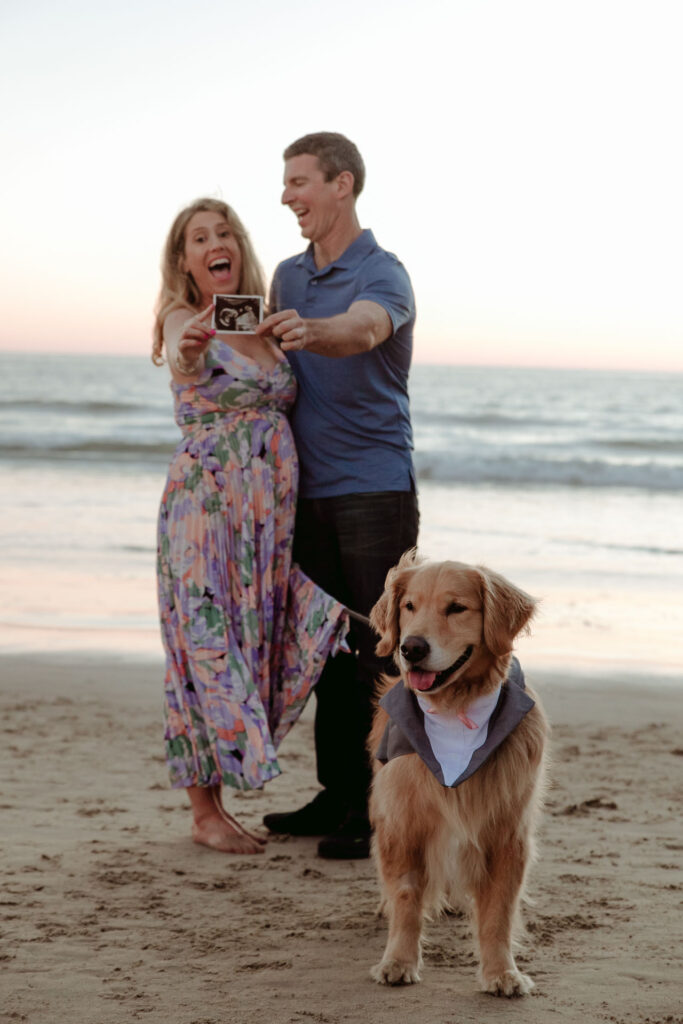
344, 313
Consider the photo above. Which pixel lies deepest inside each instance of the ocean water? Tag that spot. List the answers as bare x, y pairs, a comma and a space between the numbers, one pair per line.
569, 482
493, 426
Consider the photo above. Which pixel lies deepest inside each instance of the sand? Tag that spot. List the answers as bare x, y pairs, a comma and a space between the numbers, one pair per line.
111, 914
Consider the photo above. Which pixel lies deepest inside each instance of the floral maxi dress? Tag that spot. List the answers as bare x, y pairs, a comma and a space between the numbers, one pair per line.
246, 633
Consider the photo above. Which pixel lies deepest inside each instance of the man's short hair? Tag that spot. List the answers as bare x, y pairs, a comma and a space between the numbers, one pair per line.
335, 154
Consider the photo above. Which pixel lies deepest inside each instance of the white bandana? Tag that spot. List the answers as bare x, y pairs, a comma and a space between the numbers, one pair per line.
454, 738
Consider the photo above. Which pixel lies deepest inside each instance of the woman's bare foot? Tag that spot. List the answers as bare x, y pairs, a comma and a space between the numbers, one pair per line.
214, 827
214, 831
255, 836
233, 823
236, 826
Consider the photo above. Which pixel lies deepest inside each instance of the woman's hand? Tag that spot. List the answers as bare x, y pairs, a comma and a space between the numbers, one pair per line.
194, 341
187, 342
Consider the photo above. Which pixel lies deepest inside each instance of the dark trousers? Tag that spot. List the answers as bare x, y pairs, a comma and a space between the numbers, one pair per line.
347, 544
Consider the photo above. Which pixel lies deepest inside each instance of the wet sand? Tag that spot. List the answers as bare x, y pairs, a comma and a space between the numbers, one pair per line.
111, 914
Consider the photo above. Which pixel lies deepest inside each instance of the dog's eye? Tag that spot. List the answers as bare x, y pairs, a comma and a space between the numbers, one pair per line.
408, 606
455, 609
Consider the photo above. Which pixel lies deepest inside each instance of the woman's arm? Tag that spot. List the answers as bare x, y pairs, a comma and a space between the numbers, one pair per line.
187, 337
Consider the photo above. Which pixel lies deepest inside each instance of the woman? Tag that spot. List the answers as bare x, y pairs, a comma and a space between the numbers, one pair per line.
246, 634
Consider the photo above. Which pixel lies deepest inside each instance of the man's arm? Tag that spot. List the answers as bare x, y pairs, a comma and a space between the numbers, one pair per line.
364, 325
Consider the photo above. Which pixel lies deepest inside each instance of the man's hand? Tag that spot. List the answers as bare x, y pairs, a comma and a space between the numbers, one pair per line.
288, 328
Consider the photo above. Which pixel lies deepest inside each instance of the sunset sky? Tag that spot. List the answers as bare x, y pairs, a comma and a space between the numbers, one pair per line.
524, 161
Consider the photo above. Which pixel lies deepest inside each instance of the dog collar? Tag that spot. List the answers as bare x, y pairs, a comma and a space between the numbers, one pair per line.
407, 733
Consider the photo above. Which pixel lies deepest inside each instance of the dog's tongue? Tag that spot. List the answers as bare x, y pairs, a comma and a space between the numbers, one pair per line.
420, 680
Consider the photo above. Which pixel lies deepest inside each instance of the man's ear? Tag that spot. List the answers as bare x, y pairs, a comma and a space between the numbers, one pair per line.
345, 182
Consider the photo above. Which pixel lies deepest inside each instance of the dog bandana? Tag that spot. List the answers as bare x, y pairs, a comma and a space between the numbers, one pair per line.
453, 746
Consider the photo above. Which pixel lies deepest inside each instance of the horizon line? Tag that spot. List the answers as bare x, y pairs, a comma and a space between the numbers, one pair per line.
417, 361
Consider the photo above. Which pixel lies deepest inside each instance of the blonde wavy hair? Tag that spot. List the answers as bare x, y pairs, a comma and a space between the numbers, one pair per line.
178, 289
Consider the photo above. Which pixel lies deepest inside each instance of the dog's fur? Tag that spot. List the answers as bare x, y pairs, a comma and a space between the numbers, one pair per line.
432, 843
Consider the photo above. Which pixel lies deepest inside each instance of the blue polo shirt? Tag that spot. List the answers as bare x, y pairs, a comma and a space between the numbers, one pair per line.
351, 420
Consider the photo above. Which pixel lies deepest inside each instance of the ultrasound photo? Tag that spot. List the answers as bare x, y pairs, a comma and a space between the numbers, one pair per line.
237, 314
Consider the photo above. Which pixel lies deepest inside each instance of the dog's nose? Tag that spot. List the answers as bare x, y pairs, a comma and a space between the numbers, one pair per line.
414, 648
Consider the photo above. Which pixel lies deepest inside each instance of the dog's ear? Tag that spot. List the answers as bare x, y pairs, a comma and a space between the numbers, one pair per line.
382, 621
506, 610
409, 558
384, 616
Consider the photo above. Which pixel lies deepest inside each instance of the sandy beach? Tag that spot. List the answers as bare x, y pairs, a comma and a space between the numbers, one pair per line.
111, 914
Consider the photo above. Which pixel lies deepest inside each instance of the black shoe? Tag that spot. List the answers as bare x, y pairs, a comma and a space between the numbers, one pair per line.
350, 842
315, 819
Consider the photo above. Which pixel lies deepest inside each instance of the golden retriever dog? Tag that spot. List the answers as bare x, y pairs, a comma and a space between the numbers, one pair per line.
459, 749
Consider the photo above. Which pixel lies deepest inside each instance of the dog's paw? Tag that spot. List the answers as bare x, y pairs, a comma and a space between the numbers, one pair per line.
508, 983
395, 972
